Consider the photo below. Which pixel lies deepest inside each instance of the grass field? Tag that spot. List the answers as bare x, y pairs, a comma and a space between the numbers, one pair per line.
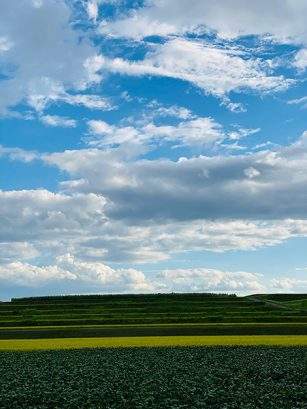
153, 315
125, 342
160, 315
154, 330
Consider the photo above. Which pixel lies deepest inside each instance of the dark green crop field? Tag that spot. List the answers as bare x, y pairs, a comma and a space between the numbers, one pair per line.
168, 378
155, 314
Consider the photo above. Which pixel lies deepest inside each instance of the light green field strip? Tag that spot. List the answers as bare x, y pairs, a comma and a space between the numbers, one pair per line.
73, 343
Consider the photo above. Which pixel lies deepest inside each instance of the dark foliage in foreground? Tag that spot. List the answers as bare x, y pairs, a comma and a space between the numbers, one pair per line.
219, 377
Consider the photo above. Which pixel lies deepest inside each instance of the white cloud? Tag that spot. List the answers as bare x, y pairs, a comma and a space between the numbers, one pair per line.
284, 21
99, 273
196, 188
41, 223
92, 10
195, 132
69, 270
300, 60
5, 44
289, 284
69, 239
251, 172
240, 133
89, 242
9, 252
154, 241
63, 62
30, 214
216, 236
158, 110
89, 101
207, 280
92, 7
37, 3
299, 101
113, 134
215, 70
186, 129
192, 132
24, 274
44, 56
18, 154
57, 94
55, 120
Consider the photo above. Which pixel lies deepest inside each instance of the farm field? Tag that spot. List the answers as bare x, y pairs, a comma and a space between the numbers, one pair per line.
153, 351
144, 378
154, 341
153, 315
298, 329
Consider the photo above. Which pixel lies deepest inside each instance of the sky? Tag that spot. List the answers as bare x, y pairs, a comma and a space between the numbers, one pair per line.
153, 146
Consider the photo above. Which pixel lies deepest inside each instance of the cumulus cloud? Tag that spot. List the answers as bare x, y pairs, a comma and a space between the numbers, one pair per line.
40, 214
25, 274
284, 21
69, 238
113, 135
120, 279
43, 57
42, 63
217, 71
300, 60
260, 185
94, 276
121, 209
207, 280
43, 224
289, 284
70, 270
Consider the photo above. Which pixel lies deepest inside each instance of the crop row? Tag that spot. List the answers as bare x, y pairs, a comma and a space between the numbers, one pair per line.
155, 378
126, 331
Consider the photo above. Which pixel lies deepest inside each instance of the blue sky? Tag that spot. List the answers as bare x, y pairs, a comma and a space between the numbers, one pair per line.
152, 146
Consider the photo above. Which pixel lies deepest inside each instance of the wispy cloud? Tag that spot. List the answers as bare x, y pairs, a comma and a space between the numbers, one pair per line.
55, 120
216, 71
